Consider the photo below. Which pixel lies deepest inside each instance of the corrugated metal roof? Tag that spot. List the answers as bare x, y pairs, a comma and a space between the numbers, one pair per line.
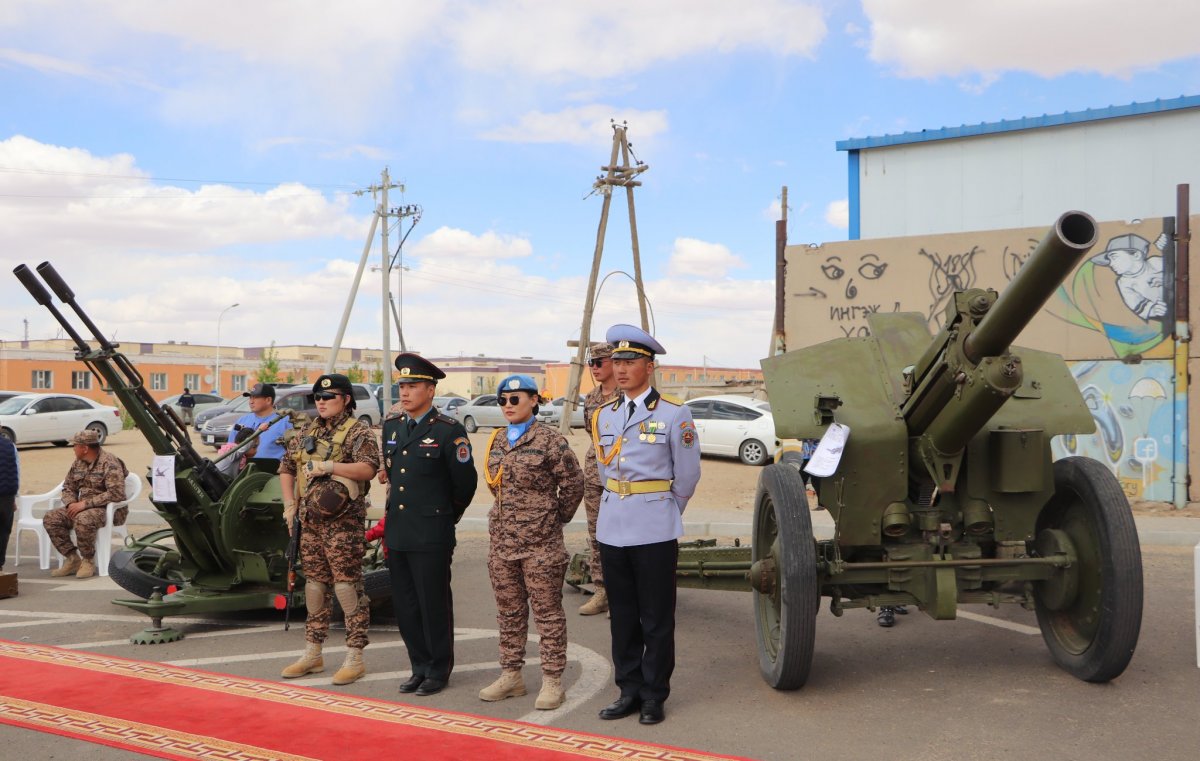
1029, 122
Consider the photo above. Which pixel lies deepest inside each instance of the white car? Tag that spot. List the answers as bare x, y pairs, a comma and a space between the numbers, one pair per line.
551, 414
735, 426
34, 417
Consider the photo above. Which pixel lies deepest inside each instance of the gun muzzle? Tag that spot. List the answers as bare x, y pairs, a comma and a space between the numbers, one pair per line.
33, 285
56, 283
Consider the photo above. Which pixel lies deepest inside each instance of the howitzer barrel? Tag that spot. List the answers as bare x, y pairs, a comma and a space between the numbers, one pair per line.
1073, 235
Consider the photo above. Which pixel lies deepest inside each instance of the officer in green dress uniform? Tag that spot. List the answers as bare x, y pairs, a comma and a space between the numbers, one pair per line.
427, 462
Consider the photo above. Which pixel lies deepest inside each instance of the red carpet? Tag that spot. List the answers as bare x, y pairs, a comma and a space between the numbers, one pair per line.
179, 713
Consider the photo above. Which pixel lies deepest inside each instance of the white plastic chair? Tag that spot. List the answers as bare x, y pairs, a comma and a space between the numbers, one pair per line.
27, 521
104, 534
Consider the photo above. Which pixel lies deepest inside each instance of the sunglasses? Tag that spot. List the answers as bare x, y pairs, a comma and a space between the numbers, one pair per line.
324, 397
597, 362
509, 401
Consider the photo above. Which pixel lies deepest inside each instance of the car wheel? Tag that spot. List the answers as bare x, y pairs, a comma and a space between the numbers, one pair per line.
365, 419
100, 430
61, 443
469, 424
752, 452
8, 434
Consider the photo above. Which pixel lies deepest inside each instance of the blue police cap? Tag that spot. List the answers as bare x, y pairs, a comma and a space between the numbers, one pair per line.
630, 342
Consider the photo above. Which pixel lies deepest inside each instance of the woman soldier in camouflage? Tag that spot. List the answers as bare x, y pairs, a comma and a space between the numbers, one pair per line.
537, 483
325, 475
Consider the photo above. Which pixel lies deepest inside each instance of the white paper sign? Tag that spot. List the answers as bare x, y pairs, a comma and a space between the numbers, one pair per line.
829, 452
163, 478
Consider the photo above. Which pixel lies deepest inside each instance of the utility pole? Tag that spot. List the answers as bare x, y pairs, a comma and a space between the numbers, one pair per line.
778, 333
382, 213
622, 175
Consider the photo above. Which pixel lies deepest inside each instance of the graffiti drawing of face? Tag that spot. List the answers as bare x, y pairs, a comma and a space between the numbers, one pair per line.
869, 268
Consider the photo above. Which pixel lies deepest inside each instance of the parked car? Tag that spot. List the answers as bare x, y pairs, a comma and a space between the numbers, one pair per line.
448, 404
366, 404
6, 395
481, 412
735, 426
32, 418
551, 414
203, 402
239, 404
297, 399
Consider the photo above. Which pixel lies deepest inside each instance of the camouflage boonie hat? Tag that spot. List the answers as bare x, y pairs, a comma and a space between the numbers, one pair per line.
600, 350
87, 437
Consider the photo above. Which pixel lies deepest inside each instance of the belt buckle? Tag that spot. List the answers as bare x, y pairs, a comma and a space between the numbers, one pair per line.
624, 488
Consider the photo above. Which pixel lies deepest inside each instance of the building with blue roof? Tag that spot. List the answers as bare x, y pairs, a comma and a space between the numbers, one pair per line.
1116, 163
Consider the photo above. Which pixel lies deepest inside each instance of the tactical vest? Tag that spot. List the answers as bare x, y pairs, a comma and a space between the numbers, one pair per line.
329, 450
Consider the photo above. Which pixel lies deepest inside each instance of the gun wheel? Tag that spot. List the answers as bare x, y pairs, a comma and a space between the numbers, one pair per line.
784, 576
1091, 618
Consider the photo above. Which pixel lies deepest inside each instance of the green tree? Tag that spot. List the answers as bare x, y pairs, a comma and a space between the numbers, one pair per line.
377, 376
355, 373
268, 366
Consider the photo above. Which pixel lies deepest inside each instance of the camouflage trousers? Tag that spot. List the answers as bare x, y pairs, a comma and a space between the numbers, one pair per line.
592, 491
58, 527
519, 585
330, 553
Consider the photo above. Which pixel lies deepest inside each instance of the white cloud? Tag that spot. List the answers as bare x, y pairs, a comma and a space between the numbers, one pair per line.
580, 125
595, 39
448, 244
837, 213
952, 38
697, 258
774, 210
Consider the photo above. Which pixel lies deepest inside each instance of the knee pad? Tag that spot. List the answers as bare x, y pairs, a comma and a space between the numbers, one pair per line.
347, 595
314, 596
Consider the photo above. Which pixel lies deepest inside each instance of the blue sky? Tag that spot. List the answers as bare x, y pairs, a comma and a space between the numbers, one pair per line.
175, 158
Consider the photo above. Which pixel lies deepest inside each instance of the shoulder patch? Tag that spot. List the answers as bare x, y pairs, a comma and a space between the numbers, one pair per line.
444, 418
671, 400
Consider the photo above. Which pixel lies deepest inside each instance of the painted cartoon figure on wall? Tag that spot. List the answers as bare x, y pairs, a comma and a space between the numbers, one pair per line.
1121, 293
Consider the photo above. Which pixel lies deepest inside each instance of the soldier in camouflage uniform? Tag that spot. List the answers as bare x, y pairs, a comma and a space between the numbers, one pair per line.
95, 479
537, 484
325, 475
605, 391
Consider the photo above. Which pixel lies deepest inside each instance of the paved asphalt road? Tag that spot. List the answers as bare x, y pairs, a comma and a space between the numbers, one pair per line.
981, 687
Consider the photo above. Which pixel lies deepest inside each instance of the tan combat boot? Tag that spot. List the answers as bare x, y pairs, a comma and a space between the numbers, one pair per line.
552, 695
309, 663
352, 668
509, 685
69, 568
598, 603
87, 569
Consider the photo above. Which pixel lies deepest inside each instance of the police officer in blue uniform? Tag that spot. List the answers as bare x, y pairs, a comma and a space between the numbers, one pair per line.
649, 460
428, 464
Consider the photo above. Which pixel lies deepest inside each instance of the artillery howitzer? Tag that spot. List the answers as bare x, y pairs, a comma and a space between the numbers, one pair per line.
225, 548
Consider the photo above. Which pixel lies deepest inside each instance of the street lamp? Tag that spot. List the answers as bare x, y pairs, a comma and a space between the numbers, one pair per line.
217, 380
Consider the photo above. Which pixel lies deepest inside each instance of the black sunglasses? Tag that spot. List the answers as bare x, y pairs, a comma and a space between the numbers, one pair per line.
596, 361
324, 397
509, 401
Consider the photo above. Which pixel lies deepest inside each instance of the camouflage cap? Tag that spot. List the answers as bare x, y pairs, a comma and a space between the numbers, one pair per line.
600, 350
87, 437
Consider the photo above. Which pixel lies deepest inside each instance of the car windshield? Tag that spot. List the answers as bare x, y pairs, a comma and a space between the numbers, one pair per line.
14, 405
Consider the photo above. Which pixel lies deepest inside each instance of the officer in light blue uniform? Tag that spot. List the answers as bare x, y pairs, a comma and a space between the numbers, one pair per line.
649, 460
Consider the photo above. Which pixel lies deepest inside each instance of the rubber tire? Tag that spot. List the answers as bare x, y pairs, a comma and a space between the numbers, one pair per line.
123, 569
100, 429
8, 434
61, 443
781, 489
1115, 567
752, 445
365, 419
469, 424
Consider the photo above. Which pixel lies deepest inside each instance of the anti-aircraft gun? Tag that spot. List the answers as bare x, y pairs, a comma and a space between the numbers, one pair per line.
226, 545
945, 492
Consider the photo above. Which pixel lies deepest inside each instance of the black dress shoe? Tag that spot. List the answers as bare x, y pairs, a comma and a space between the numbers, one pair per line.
886, 617
431, 686
621, 707
412, 683
652, 712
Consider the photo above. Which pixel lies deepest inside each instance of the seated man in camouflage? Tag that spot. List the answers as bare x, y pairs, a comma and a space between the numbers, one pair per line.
95, 479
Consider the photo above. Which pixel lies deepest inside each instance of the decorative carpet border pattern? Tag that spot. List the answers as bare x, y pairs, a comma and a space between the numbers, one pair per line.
121, 733
498, 730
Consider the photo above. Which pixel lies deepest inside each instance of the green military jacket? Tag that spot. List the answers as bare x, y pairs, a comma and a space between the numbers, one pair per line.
431, 480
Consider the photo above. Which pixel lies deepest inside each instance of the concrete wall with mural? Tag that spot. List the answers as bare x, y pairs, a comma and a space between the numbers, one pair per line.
1112, 319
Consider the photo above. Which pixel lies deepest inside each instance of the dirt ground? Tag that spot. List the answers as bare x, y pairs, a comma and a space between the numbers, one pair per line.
726, 483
